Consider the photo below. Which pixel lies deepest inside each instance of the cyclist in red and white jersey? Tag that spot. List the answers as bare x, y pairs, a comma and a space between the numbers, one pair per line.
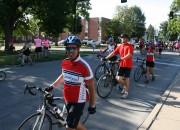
78, 80
150, 51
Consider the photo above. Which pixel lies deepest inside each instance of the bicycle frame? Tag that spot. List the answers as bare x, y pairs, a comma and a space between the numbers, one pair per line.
44, 110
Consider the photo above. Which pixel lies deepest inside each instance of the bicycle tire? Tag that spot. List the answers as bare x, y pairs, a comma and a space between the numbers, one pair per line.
85, 114
138, 73
100, 70
2, 75
28, 123
104, 86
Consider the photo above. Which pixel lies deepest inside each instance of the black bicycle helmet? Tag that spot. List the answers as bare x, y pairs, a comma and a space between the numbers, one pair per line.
73, 40
124, 35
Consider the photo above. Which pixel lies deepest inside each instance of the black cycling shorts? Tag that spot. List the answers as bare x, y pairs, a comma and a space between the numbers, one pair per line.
150, 64
27, 53
38, 49
75, 111
124, 72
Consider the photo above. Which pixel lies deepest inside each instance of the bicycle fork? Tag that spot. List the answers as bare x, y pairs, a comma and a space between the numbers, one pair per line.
40, 118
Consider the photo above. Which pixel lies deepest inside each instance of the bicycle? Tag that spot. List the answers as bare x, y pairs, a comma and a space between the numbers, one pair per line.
104, 67
2, 75
46, 116
140, 70
107, 81
26, 59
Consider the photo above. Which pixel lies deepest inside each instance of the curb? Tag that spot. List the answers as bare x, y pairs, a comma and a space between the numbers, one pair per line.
154, 113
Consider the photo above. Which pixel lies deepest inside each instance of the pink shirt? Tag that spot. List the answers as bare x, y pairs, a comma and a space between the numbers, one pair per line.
46, 43
37, 42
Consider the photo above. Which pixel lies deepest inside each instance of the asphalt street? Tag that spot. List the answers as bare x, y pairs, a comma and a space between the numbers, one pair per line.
113, 113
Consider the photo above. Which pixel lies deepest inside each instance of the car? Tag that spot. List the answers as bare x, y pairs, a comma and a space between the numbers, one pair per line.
61, 42
85, 41
94, 43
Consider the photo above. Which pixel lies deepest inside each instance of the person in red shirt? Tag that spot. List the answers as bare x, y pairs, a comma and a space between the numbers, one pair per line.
78, 80
125, 51
150, 51
141, 45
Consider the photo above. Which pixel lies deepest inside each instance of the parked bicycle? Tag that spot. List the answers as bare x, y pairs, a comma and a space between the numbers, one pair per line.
49, 114
108, 81
104, 67
2, 75
140, 70
26, 59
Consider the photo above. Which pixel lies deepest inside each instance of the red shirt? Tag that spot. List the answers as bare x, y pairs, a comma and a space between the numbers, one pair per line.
75, 74
141, 43
123, 50
150, 54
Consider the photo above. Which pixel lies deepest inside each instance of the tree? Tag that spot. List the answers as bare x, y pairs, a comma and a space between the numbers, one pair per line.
53, 15
127, 20
151, 32
163, 33
174, 24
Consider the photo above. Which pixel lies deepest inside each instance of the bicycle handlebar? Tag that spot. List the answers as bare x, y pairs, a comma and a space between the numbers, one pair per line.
100, 56
48, 96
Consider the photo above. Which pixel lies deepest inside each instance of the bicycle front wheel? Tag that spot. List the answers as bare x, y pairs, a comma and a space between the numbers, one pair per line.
138, 73
33, 122
104, 86
2, 75
100, 70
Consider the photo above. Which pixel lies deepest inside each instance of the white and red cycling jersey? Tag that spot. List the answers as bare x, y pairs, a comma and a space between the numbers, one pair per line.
76, 74
150, 54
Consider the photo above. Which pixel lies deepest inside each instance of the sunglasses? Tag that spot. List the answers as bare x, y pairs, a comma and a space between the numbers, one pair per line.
71, 49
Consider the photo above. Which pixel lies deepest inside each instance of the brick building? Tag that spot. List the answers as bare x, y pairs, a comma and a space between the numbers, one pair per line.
91, 29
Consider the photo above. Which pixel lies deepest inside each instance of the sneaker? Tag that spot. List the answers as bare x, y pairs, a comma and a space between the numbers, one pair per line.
153, 78
123, 90
125, 95
147, 81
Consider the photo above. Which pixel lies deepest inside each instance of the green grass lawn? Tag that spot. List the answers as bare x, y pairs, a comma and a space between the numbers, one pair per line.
11, 58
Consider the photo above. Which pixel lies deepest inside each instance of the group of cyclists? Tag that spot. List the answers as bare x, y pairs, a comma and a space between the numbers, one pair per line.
41, 48
77, 75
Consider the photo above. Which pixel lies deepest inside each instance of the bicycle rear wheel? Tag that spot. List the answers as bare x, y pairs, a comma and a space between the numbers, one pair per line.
33, 123
104, 86
85, 114
100, 70
2, 75
138, 73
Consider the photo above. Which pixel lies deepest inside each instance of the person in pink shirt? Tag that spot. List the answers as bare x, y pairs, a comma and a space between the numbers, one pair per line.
45, 45
38, 48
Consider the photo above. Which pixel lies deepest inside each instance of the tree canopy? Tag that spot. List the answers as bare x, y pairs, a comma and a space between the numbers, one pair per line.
128, 20
52, 16
174, 24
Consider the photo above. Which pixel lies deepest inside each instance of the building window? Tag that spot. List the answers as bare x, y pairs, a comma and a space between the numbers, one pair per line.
86, 34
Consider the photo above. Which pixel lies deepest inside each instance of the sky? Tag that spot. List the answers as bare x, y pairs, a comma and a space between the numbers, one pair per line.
155, 11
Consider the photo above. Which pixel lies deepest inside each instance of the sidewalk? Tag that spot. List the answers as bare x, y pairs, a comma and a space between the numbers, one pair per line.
166, 114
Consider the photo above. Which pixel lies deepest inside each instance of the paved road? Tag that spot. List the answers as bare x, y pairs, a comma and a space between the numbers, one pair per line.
113, 113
